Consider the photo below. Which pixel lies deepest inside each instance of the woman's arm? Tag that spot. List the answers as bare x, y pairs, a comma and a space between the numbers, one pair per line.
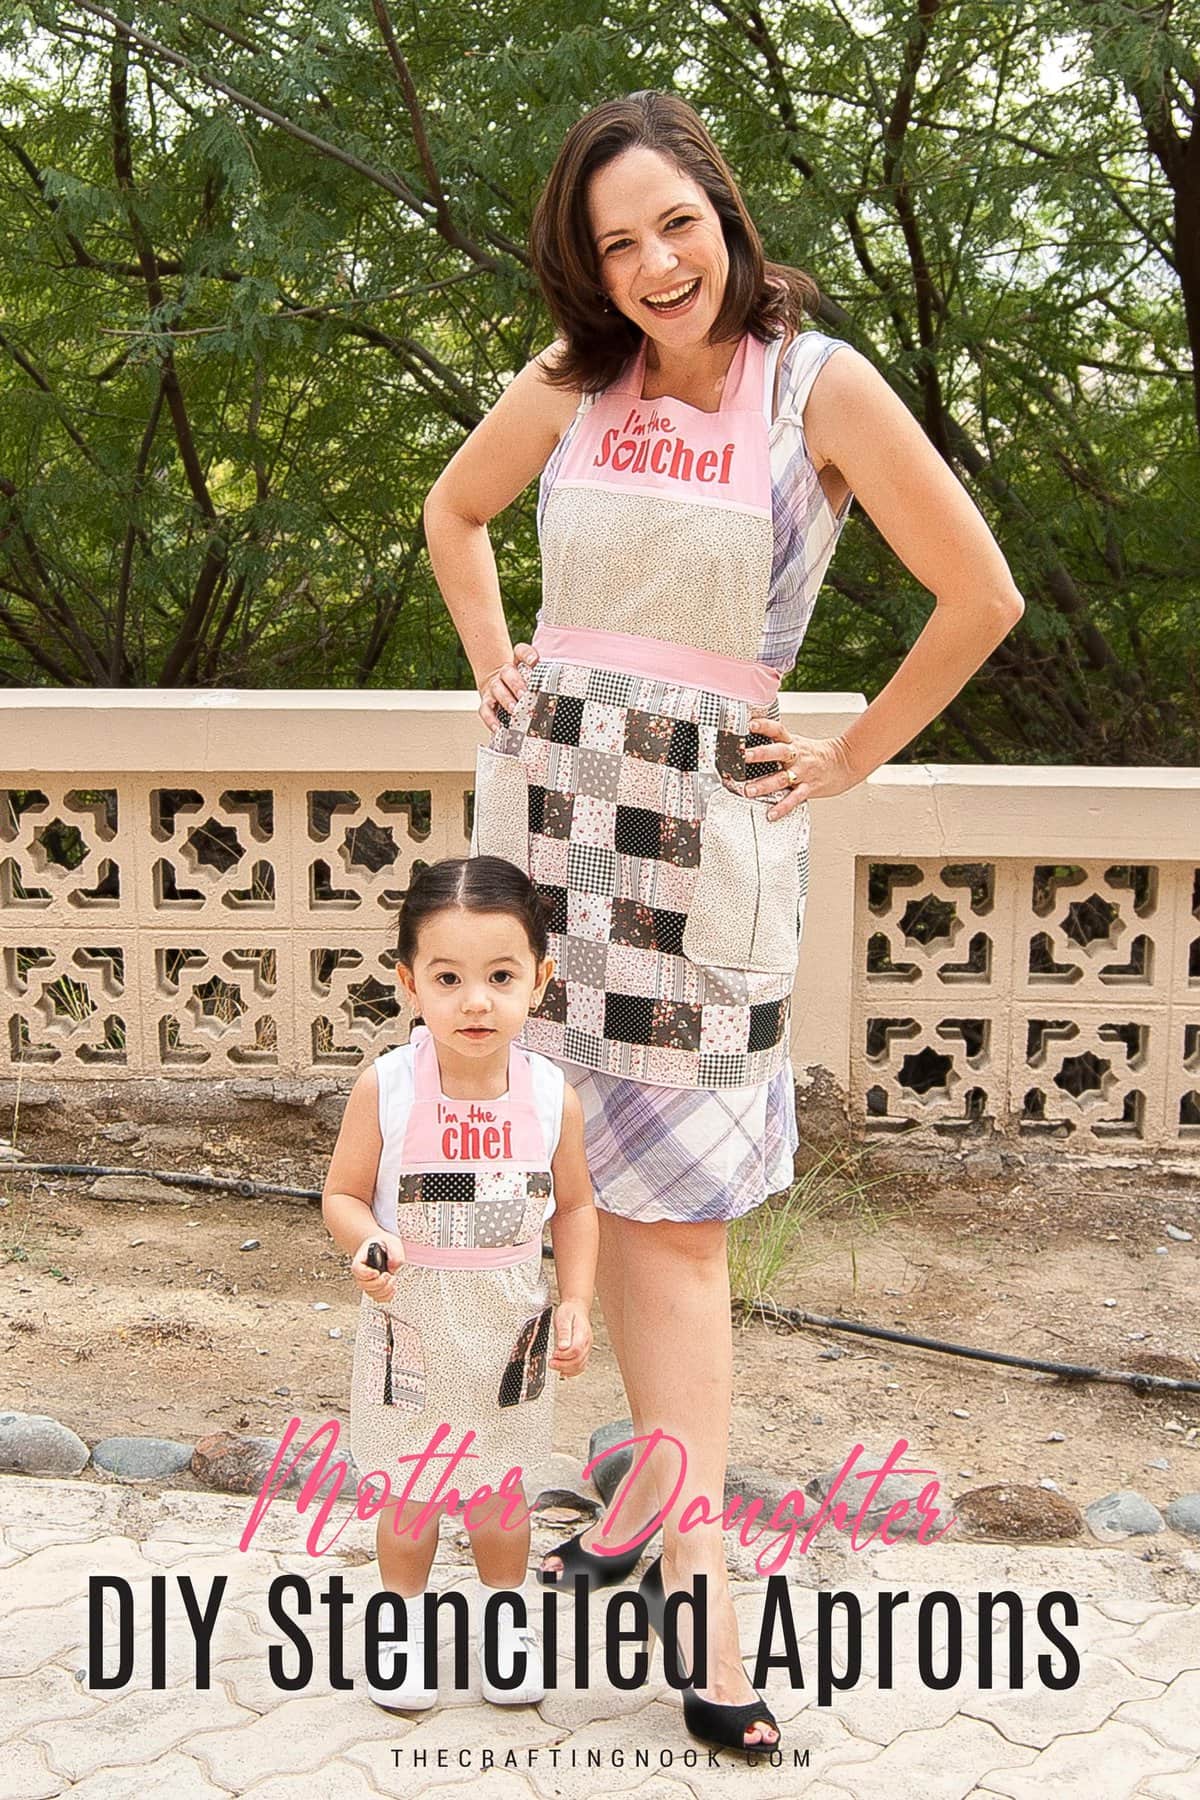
855, 422
501, 457
575, 1234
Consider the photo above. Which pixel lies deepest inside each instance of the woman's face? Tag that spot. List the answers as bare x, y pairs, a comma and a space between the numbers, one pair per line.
663, 261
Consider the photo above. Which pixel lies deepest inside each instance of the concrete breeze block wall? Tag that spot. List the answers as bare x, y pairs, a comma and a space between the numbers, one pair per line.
202, 885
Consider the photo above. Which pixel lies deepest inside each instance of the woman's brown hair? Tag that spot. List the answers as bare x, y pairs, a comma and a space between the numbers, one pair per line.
761, 297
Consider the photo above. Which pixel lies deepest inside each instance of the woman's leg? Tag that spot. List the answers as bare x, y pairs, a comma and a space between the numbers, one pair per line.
675, 1350
642, 1501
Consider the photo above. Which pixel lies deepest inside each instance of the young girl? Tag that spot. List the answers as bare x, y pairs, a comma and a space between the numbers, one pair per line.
451, 1152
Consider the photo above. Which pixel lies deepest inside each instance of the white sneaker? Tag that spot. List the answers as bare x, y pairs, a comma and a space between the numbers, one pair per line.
511, 1640
411, 1695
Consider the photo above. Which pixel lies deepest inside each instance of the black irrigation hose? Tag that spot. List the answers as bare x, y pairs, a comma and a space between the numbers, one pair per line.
226, 1184
788, 1315
762, 1309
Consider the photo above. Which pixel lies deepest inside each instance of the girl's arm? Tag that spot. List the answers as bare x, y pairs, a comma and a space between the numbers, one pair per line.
503, 454
854, 423
575, 1234
350, 1187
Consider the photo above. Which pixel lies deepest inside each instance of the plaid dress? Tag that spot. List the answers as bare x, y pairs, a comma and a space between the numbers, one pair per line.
682, 554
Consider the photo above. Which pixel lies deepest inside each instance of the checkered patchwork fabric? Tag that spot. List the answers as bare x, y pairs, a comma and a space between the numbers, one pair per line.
452, 1209
620, 769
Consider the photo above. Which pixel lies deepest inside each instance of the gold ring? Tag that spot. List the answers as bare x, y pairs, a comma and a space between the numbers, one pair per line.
794, 777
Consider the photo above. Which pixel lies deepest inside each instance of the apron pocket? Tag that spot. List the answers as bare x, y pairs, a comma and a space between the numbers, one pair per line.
746, 900
501, 808
524, 1376
393, 1360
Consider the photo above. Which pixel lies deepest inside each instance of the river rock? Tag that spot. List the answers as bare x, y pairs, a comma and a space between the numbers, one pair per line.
747, 1483
1018, 1511
1122, 1515
141, 1458
609, 1474
564, 1506
34, 1444
136, 1188
240, 1465
1184, 1515
892, 1489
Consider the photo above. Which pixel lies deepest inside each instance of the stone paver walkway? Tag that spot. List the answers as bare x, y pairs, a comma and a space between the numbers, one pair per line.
1130, 1727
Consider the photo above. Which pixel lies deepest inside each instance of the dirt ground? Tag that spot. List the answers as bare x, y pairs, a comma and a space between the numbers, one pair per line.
121, 1317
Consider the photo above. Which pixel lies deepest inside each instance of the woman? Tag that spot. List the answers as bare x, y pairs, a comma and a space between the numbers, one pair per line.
698, 452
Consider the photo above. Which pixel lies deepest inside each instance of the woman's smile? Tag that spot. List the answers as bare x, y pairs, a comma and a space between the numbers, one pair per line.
673, 300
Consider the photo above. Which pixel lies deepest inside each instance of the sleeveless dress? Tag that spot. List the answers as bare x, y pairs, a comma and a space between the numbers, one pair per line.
465, 1340
682, 553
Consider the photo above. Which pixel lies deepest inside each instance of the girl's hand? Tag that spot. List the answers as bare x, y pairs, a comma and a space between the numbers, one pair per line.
814, 768
374, 1284
505, 685
572, 1337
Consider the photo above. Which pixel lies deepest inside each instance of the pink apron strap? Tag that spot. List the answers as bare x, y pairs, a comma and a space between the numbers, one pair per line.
430, 1118
427, 1076
743, 385
632, 378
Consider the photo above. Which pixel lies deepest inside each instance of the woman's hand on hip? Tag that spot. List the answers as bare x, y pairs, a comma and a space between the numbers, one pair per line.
814, 768
505, 685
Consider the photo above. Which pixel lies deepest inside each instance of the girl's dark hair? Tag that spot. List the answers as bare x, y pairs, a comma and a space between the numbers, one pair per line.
761, 297
478, 884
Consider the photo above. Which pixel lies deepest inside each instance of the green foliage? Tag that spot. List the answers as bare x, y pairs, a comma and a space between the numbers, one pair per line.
262, 267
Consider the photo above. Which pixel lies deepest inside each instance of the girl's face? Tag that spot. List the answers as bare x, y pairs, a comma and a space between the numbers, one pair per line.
663, 261
474, 979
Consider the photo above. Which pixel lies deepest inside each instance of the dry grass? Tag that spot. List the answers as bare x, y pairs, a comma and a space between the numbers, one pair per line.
834, 1205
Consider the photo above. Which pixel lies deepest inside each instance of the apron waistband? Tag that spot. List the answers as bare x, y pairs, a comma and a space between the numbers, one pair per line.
658, 660
496, 1256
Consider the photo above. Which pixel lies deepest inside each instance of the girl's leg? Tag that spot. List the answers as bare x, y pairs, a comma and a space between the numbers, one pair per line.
676, 1355
501, 1557
502, 1560
404, 1563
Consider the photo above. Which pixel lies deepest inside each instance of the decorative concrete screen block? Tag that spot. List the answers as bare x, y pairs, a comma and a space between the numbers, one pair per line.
217, 898
71, 1008
66, 853
1047, 1000
215, 854
237, 924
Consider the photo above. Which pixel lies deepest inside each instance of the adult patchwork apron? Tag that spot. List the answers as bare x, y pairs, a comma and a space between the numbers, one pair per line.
465, 1340
618, 783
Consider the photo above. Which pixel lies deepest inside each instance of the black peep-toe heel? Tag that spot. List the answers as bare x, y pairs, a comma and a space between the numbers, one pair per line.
724, 1726
583, 1568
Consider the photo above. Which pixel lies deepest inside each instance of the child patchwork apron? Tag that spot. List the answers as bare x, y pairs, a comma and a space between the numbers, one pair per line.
465, 1340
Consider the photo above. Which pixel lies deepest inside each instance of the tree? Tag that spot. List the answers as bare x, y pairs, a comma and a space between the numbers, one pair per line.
262, 270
